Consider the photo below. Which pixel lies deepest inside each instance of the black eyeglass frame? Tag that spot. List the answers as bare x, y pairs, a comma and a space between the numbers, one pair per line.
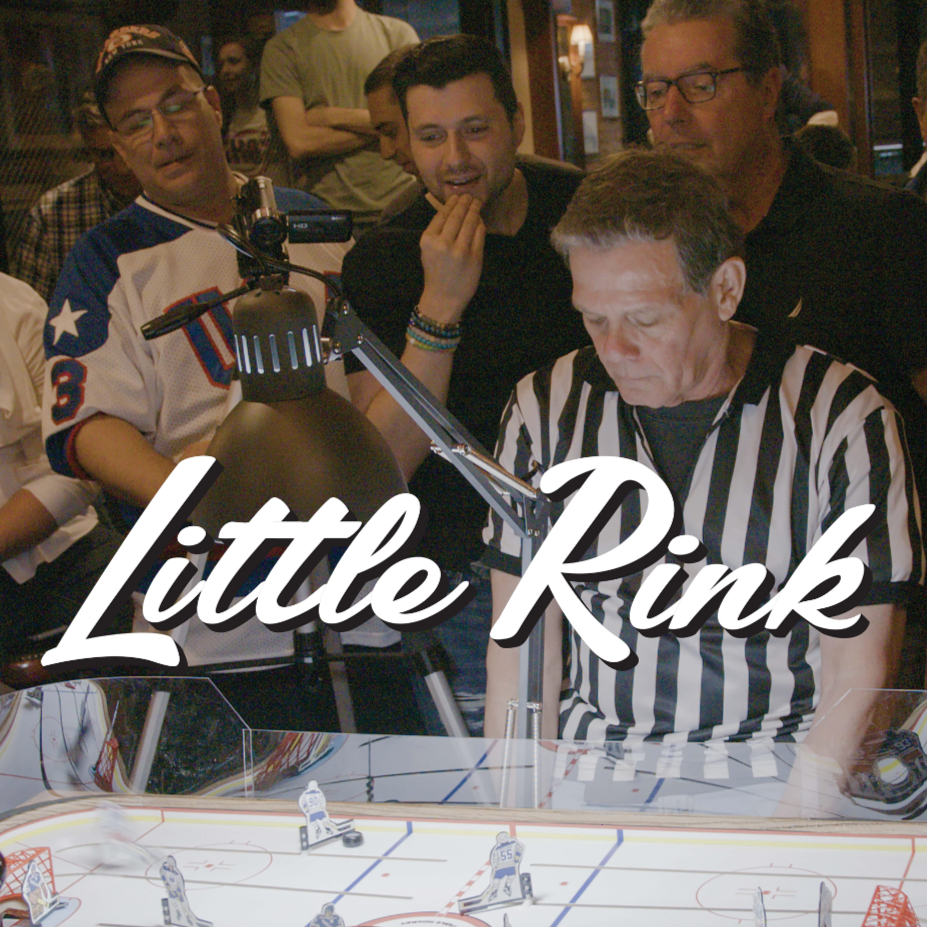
640, 91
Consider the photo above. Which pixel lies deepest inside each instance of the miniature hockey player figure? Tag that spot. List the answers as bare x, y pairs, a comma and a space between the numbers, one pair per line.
38, 895
319, 827
176, 908
506, 884
505, 858
327, 918
312, 804
759, 909
825, 906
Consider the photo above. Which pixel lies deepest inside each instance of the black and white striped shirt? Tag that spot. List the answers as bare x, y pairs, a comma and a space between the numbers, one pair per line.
800, 439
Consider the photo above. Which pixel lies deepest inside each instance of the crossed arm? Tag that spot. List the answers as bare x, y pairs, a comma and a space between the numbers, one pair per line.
322, 130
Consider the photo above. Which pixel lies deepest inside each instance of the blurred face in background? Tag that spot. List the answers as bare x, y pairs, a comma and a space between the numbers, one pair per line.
386, 119
112, 170
233, 68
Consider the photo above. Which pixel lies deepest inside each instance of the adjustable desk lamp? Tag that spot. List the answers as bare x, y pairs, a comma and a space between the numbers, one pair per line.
286, 406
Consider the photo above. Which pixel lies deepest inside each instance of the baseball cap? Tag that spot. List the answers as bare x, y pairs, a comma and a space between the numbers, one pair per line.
138, 40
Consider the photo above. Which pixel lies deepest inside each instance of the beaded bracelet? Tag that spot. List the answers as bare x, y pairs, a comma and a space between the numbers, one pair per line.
432, 327
431, 335
429, 342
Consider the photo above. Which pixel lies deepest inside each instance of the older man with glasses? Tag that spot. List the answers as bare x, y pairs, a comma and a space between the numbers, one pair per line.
832, 258
122, 411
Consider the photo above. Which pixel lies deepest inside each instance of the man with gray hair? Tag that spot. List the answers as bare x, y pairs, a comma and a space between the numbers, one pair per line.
65, 212
832, 258
763, 446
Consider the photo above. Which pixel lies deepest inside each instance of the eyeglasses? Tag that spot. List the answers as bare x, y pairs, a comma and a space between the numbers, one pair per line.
176, 107
699, 87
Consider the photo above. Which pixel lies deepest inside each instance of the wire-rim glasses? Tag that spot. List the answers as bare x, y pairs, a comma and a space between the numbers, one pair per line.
138, 125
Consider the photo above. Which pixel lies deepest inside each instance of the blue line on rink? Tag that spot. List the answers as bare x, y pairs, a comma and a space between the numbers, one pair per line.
656, 789
473, 769
589, 881
370, 868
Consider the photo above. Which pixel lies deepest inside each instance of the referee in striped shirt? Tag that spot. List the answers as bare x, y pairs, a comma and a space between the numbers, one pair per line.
763, 444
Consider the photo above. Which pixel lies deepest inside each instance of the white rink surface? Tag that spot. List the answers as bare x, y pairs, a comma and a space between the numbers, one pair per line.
244, 868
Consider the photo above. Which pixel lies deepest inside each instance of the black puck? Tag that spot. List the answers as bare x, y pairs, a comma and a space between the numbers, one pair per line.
352, 838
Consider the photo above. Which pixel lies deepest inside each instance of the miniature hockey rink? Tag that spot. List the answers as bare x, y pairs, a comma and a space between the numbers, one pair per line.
245, 866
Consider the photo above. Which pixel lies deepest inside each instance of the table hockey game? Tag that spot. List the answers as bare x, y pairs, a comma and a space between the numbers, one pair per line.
242, 865
616, 854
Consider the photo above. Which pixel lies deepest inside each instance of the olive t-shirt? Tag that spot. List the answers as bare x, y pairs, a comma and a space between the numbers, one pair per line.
324, 68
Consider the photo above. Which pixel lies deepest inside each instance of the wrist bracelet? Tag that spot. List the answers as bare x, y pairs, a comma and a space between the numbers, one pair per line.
429, 341
432, 327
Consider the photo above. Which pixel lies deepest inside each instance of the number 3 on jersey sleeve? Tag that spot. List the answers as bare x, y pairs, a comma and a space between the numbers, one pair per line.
67, 380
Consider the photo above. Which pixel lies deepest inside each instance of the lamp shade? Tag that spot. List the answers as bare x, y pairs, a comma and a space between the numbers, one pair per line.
581, 35
307, 444
303, 451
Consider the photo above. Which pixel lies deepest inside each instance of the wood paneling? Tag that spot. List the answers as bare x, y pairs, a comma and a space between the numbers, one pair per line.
541, 54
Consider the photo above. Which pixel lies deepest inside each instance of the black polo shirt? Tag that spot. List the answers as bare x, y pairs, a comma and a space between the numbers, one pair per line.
847, 259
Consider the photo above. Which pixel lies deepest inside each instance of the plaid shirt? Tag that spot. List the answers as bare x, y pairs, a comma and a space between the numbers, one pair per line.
53, 226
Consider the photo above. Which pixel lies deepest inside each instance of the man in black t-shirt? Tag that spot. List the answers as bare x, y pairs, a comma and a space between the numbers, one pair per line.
466, 287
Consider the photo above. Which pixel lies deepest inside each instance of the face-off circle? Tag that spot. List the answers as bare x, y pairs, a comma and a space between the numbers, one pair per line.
788, 892
223, 863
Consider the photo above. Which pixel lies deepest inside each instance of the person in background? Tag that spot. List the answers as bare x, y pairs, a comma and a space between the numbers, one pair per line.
917, 182
832, 258
52, 549
390, 126
65, 212
123, 411
464, 286
312, 76
244, 120
386, 113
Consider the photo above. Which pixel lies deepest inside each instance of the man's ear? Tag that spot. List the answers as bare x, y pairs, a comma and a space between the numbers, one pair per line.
771, 87
215, 101
122, 149
727, 287
518, 124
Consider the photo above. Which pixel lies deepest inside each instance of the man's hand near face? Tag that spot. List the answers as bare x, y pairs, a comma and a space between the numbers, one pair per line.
452, 258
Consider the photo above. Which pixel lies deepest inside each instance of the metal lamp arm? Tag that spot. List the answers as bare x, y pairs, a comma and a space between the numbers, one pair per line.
349, 334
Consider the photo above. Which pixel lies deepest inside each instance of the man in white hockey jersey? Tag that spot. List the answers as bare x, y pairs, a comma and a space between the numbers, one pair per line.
121, 410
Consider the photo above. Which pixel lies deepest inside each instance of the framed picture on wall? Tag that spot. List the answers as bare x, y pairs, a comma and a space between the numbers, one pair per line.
590, 131
608, 96
605, 20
